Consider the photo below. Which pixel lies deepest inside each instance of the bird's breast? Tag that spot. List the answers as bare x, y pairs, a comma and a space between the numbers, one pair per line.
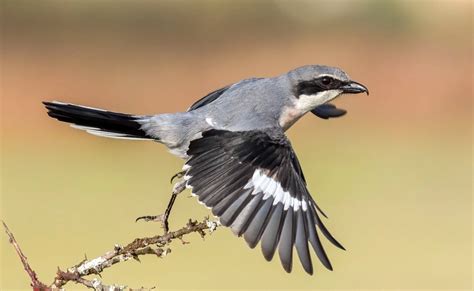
289, 116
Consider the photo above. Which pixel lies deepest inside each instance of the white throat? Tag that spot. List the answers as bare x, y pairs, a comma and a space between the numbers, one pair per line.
304, 104
307, 103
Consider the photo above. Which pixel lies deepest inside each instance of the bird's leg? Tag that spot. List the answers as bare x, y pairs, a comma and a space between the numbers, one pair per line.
177, 188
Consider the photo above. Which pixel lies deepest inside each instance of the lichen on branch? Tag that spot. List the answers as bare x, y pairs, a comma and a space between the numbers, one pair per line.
157, 245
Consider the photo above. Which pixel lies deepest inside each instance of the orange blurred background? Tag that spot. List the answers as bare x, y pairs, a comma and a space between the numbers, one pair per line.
394, 175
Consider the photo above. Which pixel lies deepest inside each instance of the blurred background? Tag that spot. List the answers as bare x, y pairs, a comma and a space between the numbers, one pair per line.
394, 175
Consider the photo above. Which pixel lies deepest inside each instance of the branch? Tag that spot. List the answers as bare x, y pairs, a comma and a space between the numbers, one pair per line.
156, 245
35, 283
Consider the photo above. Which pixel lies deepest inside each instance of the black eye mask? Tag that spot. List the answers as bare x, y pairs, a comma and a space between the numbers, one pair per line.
326, 111
317, 85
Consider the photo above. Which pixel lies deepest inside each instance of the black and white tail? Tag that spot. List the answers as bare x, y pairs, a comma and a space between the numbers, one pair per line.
98, 121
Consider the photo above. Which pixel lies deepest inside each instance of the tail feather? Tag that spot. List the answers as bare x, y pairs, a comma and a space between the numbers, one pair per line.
97, 121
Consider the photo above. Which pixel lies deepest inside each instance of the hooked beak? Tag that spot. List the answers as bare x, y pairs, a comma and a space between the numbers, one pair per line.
353, 87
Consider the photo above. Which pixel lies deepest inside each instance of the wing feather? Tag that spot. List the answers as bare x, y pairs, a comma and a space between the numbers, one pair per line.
271, 234
254, 183
254, 231
301, 241
285, 247
245, 215
231, 211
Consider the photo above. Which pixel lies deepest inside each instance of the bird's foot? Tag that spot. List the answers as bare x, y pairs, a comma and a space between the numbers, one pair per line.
163, 218
147, 218
156, 218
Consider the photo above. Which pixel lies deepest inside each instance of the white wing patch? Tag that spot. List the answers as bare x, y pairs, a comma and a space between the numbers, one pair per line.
210, 121
270, 187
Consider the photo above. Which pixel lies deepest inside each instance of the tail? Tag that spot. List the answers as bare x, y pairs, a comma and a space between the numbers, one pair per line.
98, 121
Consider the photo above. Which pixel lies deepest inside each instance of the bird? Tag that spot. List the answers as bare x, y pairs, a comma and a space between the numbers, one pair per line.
237, 159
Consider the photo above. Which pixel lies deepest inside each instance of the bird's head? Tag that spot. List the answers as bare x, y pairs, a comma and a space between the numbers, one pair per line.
315, 85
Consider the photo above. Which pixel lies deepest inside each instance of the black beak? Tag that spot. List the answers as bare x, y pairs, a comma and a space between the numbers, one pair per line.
353, 87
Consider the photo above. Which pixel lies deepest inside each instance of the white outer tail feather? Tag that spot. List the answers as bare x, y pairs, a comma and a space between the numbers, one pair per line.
98, 122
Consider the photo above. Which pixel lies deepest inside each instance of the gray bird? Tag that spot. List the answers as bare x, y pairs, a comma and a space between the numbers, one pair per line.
239, 163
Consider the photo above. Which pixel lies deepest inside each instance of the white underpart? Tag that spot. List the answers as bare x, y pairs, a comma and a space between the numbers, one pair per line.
307, 103
272, 188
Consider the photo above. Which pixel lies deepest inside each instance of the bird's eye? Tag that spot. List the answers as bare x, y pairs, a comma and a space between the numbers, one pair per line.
326, 81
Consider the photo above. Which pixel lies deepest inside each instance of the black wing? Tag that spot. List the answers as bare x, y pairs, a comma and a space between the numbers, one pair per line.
326, 111
253, 182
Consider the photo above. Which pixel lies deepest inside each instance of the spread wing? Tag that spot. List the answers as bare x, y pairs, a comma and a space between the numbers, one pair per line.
253, 182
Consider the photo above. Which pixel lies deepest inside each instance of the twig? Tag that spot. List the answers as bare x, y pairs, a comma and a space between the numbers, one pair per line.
35, 283
156, 245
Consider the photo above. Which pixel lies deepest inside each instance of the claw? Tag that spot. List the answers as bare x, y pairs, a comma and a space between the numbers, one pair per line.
163, 218
158, 218
178, 175
150, 218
